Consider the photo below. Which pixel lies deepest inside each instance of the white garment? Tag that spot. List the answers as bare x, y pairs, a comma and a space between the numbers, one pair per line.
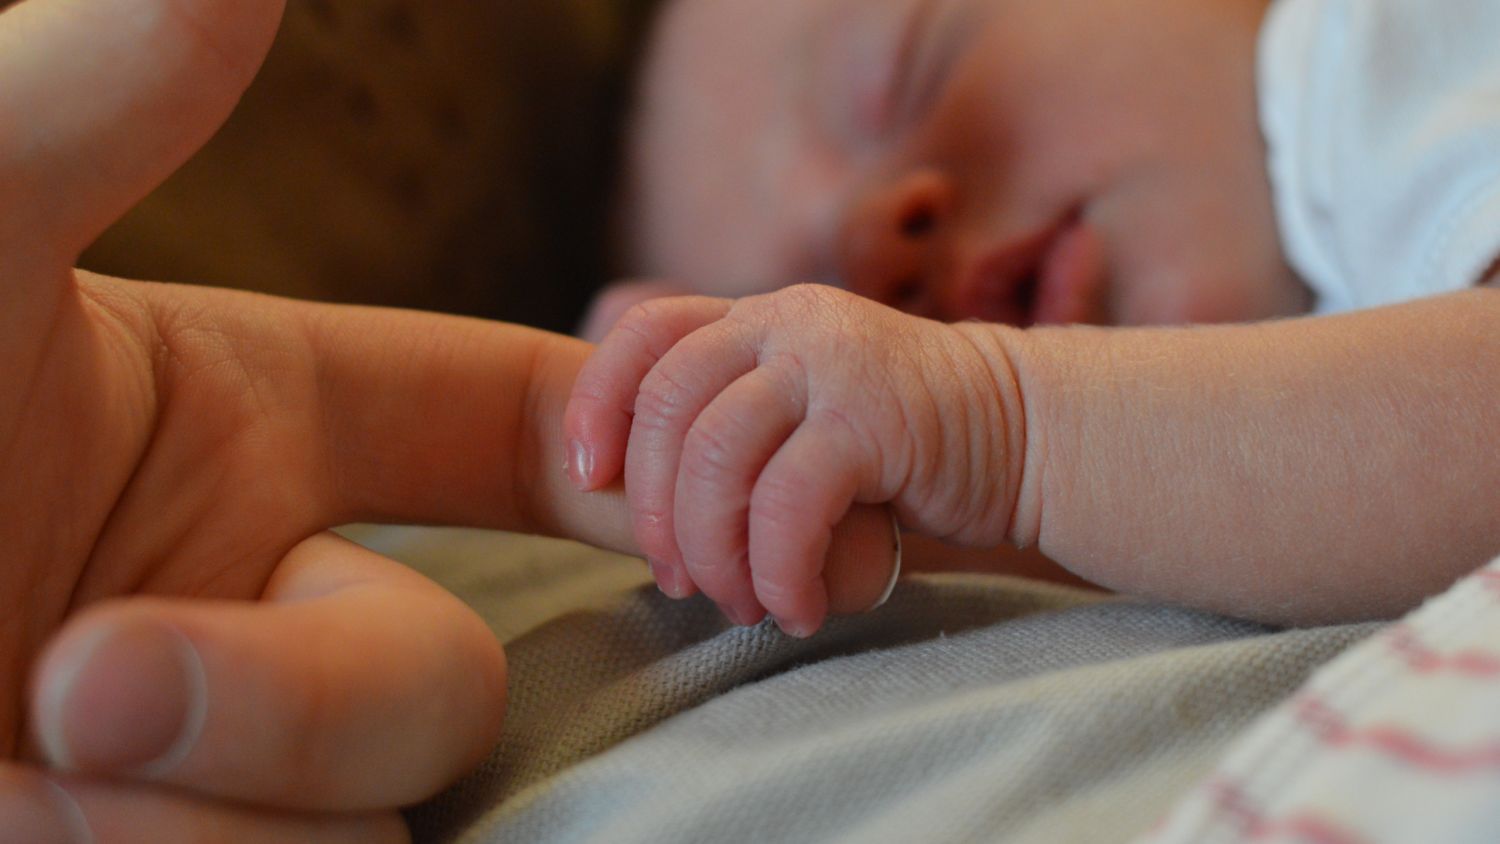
1397, 740
1383, 123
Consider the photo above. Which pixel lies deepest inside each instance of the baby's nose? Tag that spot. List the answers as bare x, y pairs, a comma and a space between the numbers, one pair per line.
891, 242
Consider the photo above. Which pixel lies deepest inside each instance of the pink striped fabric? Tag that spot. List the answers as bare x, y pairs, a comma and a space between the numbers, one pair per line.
1397, 740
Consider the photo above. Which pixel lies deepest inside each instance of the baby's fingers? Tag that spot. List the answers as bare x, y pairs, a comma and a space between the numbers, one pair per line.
806, 489
722, 456
602, 405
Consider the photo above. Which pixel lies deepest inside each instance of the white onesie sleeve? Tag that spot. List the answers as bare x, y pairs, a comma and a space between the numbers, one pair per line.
1382, 119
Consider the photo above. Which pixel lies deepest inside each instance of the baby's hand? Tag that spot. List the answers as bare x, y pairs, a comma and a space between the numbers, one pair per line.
747, 429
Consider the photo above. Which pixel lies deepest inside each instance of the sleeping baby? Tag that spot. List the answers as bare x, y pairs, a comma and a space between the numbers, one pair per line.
1196, 297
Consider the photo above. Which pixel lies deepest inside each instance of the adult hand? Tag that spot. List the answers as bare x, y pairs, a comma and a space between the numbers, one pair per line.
265, 680
205, 661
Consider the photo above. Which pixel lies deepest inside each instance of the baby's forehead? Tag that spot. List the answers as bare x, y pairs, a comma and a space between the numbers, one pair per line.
715, 74
722, 143
749, 34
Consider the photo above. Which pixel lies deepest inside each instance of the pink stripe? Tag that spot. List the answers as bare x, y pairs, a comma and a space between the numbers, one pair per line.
1422, 659
1253, 823
1490, 577
1331, 728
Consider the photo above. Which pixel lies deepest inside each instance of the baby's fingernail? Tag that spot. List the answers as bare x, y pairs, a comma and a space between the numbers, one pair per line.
126, 696
745, 615
669, 579
728, 612
580, 464
796, 629
39, 811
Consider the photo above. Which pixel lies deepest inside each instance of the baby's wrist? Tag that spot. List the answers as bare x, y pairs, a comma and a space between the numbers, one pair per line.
994, 381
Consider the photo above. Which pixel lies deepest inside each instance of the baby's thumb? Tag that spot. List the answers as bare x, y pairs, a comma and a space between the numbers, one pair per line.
863, 561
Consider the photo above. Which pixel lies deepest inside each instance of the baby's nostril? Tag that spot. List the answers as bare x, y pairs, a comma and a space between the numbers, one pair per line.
917, 221
906, 294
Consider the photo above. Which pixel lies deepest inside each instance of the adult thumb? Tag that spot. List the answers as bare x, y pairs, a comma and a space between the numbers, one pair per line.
100, 100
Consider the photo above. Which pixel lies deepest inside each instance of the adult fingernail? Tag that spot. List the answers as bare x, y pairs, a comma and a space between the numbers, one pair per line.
35, 810
125, 696
580, 464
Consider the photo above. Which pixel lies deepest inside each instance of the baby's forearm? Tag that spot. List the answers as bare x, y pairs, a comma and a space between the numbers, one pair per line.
1296, 471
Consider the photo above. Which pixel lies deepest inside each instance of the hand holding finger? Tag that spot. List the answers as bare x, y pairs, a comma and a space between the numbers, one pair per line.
758, 436
601, 406
624, 412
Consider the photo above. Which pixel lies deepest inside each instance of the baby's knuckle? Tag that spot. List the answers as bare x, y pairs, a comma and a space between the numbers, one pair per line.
776, 590
710, 449
807, 304
779, 502
645, 322
653, 530
841, 422
662, 399
812, 295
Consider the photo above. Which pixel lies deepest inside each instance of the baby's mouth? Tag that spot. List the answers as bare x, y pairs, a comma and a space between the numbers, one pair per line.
1051, 276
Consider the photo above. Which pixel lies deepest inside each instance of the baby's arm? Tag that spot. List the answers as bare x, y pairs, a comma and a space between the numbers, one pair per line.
1299, 471
1294, 471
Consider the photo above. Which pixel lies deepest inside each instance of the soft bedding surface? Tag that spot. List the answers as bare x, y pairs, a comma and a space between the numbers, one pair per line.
968, 708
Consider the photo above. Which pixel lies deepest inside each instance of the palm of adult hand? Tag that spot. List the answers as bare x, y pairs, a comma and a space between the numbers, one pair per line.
171, 448
142, 457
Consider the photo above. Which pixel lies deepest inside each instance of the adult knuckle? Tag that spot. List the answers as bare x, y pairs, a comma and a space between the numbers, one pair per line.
213, 45
315, 712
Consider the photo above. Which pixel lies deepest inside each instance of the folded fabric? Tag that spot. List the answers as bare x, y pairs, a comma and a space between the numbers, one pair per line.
968, 708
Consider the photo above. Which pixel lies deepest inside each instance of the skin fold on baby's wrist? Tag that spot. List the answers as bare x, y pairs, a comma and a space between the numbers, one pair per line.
1012, 515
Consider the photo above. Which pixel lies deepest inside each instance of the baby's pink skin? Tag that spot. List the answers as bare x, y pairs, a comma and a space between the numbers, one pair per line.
612, 302
746, 430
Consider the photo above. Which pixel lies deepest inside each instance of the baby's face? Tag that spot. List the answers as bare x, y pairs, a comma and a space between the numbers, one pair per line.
1025, 161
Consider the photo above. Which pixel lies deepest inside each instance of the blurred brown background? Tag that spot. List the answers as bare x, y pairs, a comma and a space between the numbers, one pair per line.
446, 155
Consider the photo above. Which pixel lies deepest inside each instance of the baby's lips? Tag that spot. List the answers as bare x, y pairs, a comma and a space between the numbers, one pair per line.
859, 570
